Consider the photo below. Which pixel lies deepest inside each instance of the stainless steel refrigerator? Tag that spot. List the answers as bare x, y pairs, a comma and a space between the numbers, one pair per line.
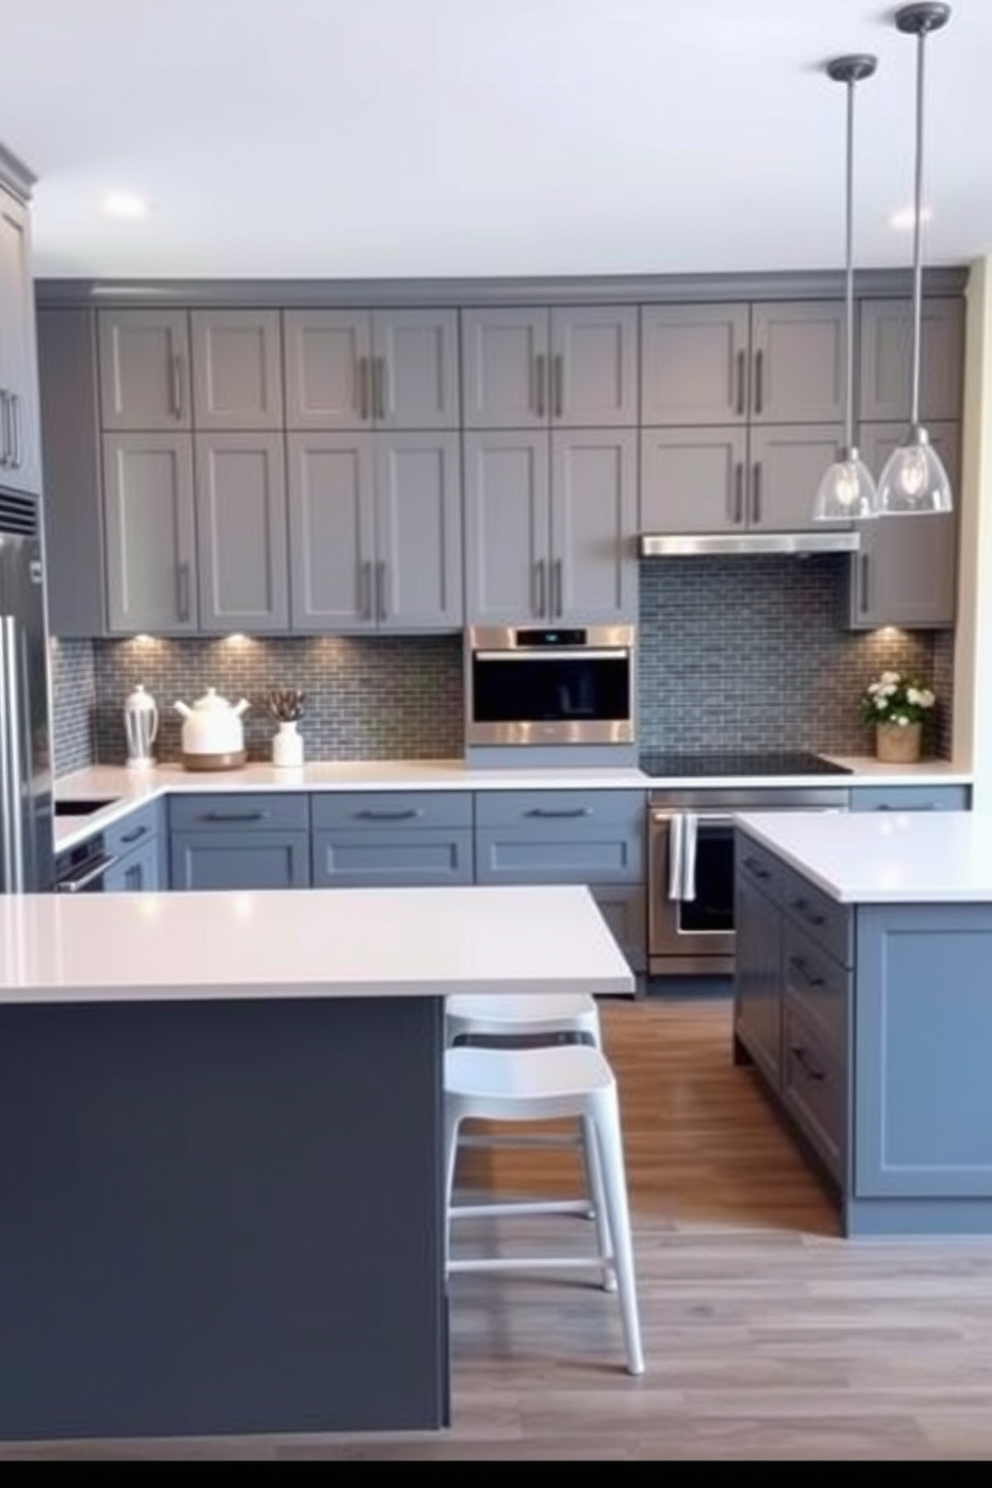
26, 853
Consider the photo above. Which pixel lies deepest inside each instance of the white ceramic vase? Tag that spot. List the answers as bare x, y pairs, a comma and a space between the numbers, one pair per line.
287, 745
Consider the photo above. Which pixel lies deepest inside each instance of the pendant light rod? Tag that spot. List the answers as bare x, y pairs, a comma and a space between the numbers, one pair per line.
850, 70
919, 21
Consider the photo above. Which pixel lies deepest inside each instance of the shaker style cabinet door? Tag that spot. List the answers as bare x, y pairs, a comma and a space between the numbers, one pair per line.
507, 527
797, 362
144, 369
693, 480
332, 532
241, 532
237, 369
593, 572
414, 375
328, 360
787, 462
886, 359
694, 364
150, 533
418, 533
505, 369
593, 366
20, 435
906, 571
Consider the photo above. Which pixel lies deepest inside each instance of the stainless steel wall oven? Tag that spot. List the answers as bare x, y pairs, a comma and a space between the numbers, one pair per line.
572, 685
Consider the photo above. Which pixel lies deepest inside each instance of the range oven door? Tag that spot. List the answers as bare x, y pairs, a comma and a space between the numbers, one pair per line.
565, 686
691, 892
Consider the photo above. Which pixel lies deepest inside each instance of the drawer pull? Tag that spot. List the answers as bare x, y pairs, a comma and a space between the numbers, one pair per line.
753, 865
801, 906
405, 815
799, 965
135, 836
234, 816
570, 812
923, 806
807, 1063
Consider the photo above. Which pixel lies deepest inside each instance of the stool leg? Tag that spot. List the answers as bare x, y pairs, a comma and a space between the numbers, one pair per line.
606, 1120
452, 1121
599, 1212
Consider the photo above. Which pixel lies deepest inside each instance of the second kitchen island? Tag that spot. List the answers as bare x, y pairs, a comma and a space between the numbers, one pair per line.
863, 998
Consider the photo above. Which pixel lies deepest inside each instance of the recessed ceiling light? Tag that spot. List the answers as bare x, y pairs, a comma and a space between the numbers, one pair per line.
125, 204
905, 218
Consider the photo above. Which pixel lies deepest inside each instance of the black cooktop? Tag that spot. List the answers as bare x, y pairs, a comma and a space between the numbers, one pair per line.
745, 762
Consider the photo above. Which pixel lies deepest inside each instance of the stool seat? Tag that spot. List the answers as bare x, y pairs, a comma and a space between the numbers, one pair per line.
531, 1085
526, 1013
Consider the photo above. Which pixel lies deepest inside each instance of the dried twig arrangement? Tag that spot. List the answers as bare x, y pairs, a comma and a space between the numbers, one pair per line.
285, 704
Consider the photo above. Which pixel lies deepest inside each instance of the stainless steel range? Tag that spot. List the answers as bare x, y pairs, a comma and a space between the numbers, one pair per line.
691, 846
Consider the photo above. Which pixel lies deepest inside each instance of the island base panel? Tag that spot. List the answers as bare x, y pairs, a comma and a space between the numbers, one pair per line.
221, 1218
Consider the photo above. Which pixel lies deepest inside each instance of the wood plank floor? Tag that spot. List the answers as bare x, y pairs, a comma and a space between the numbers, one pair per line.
766, 1335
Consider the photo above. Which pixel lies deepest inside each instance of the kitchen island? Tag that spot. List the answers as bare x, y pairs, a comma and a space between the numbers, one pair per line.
221, 1153
863, 998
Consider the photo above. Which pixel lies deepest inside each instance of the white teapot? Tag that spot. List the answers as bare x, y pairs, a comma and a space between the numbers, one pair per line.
213, 736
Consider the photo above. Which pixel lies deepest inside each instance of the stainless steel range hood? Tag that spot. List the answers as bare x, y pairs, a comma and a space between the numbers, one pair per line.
713, 544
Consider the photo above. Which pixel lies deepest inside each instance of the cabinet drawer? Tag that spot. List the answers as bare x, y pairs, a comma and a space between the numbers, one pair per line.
581, 810
137, 872
343, 859
238, 811
758, 865
560, 852
239, 860
133, 830
391, 810
813, 1088
911, 798
817, 985
824, 920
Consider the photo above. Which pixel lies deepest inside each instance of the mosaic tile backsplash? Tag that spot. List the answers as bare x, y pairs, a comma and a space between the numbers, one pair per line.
734, 652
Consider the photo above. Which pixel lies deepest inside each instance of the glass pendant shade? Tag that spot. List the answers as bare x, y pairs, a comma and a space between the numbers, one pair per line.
847, 491
914, 479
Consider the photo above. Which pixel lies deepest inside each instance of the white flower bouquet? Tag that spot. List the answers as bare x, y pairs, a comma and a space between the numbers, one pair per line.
896, 699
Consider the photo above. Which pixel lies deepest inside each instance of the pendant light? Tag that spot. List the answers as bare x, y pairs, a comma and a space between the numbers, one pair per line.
914, 480
847, 491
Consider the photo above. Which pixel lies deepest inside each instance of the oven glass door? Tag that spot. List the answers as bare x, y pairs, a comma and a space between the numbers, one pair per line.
691, 885
711, 880
581, 694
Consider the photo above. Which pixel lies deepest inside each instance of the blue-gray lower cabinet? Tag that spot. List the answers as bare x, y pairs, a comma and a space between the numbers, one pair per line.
137, 872
624, 908
560, 836
884, 1024
392, 838
239, 841
911, 798
138, 843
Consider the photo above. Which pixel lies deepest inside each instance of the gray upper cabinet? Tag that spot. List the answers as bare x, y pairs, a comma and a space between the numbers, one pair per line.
787, 462
149, 527
361, 369
528, 368
736, 363
375, 532
243, 566
886, 359
20, 437
906, 571
144, 370
550, 525
237, 369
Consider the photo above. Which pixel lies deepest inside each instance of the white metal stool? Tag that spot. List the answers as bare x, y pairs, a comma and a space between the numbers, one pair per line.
546, 1084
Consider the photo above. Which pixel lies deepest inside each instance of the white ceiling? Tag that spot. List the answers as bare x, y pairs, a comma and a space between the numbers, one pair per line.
368, 138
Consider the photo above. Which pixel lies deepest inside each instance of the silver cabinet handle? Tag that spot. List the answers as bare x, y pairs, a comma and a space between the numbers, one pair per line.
738, 493
366, 596
18, 456
759, 381
379, 386
756, 492
381, 580
741, 390
557, 590
177, 385
540, 588
182, 590
865, 571
559, 385
541, 361
676, 841
5, 456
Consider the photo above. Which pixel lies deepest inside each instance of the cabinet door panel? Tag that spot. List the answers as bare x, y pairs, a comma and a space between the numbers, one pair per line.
625, 911
416, 370
18, 352
149, 527
906, 571
135, 873
758, 977
364, 859
237, 369
505, 369
693, 480
787, 463
241, 532
594, 366
594, 526
507, 494
328, 368
240, 860
331, 525
886, 359
144, 369
694, 364
798, 362
418, 532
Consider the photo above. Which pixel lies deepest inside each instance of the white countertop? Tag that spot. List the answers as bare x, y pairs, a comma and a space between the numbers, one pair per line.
414, 942
129, 788
894, 857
